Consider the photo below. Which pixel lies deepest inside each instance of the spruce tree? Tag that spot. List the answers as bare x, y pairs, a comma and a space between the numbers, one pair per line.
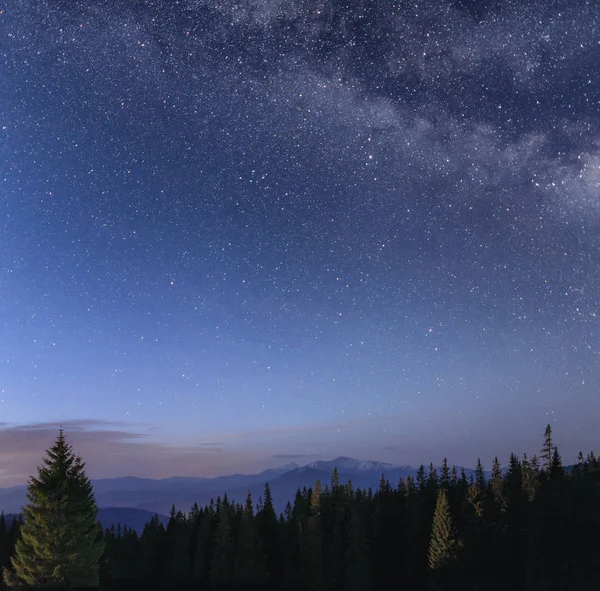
445, 474
14, 534
150, 558
421, 479
250, 567
548, 447
269, 530
432, 479
443, 543
204, 535
178, 564
60, 542
312, 559
335, 479
497, 487
356, 560
221, 568
480, 476
454, 476
4, 555
555, 467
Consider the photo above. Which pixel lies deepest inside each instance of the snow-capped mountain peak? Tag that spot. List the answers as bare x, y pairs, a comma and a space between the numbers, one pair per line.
344, 464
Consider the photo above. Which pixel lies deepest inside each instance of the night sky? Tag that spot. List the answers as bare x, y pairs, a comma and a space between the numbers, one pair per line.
235, 234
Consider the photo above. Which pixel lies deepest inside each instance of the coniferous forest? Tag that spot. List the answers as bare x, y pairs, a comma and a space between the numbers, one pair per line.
532, 525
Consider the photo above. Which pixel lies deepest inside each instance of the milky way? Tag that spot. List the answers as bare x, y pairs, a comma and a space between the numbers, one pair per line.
303, 227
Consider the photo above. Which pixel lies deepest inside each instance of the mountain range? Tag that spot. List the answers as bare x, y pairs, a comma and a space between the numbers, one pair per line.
132, 501
133, 518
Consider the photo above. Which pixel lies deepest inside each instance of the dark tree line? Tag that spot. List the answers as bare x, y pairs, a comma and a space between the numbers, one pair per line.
533, 526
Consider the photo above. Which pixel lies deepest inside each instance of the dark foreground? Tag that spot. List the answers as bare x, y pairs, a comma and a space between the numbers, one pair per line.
530, 527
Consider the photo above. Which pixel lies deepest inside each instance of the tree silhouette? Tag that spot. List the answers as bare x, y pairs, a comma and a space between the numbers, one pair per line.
59, 544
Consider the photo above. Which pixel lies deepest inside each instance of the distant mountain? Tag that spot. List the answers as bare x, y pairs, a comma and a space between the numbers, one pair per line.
133, 518
158, 496
125, 516
351, 465
131, 483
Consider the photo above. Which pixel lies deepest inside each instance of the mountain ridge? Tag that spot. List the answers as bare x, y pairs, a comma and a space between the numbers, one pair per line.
159, 495
135, 519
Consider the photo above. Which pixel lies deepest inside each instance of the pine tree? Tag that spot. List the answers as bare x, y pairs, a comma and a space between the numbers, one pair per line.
445, 474
178, 563
480, 476
443, 543
454, 476
421, 479
126, 555
268, 528
221, 568
4, 556
548, 447
515, 520
250, 567
497, 486
14, 535
312, 559
356, 560
151, 550
204, 535
294, 531
432, 479
555, 467
335, 479
60, 541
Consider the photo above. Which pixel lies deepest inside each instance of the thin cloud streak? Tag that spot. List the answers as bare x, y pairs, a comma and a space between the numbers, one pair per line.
110, 452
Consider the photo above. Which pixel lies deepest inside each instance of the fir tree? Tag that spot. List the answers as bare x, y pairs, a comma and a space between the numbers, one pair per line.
497, 486
126, 557
312, 559
548, 447
250, 565
445, 474
221, 570
356, 559
530, 471
432, 479
454, 476
480, 476
335, 479
421, 479
151, 550
14, 534
60, 542
515, 520
269, 530
177, 542
443, 542
204, 535
4, 555
555, 467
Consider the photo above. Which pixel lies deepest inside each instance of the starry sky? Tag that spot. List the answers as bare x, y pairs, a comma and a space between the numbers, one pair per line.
239, 233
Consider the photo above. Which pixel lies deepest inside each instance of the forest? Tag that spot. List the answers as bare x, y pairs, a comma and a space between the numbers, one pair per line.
533, 525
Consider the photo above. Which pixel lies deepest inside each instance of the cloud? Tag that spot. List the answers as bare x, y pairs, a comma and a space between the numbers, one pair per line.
114, 449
